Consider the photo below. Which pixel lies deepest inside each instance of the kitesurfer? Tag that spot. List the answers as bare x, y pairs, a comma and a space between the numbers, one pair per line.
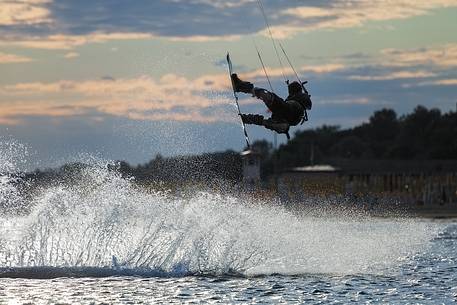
284, 113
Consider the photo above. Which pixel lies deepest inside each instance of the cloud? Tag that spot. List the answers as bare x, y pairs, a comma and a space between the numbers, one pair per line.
446, 82
224, 4
354, 100
204, 38
278, 72
24, 12
71, 23
444, 56
6, 58
70, 55
439, 82
431, 65
136, 98
352, 13
25, 108
393, 75
66, 42
438, 64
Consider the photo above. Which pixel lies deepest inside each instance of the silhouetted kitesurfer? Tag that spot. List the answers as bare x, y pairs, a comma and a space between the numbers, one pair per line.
284, 113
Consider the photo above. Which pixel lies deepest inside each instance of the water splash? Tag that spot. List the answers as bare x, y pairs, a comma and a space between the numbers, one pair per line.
12, 156
104, 221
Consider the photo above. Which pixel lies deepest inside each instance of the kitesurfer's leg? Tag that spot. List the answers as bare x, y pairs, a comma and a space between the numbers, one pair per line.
257, 119
277, 107
274, 103
271, 100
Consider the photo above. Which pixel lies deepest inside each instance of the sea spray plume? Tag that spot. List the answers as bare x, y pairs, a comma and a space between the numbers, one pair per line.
192, 237
102, 220
76, 224
12, 157
86, 224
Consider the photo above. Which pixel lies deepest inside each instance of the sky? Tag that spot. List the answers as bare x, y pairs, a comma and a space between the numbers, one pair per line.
126, 80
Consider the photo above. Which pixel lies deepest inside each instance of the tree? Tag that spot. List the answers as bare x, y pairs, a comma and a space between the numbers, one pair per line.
351, 147
384, 125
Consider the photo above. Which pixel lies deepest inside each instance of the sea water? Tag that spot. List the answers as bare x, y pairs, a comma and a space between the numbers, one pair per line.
104, 240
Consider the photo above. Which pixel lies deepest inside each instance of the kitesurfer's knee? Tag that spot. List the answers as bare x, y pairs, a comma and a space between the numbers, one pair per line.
271, 100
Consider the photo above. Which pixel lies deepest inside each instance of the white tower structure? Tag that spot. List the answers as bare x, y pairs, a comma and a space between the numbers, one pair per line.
251, 167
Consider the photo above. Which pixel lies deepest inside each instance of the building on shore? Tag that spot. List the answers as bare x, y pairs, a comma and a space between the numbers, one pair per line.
294, 184
251, 168
409, 182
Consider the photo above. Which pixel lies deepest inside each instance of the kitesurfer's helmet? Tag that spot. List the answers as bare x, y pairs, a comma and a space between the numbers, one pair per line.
295, 88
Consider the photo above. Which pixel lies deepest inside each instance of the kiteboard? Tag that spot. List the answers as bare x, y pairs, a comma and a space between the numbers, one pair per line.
230, 70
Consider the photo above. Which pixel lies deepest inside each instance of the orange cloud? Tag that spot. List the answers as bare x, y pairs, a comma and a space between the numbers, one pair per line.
28, 12
66, 42
347, 101
12, 58
203, 38
12, 112
446, 82
71, 55
439, 82
413, 63
142, 97
444, 56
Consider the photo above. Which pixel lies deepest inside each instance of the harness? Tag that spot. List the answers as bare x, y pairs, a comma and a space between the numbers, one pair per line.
305, 118
300, 99
305, 114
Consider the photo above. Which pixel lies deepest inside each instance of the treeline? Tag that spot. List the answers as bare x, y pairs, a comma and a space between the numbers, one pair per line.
209, 169
424, 134
199, 168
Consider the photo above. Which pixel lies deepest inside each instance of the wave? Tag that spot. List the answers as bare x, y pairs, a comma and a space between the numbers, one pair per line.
82, 272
